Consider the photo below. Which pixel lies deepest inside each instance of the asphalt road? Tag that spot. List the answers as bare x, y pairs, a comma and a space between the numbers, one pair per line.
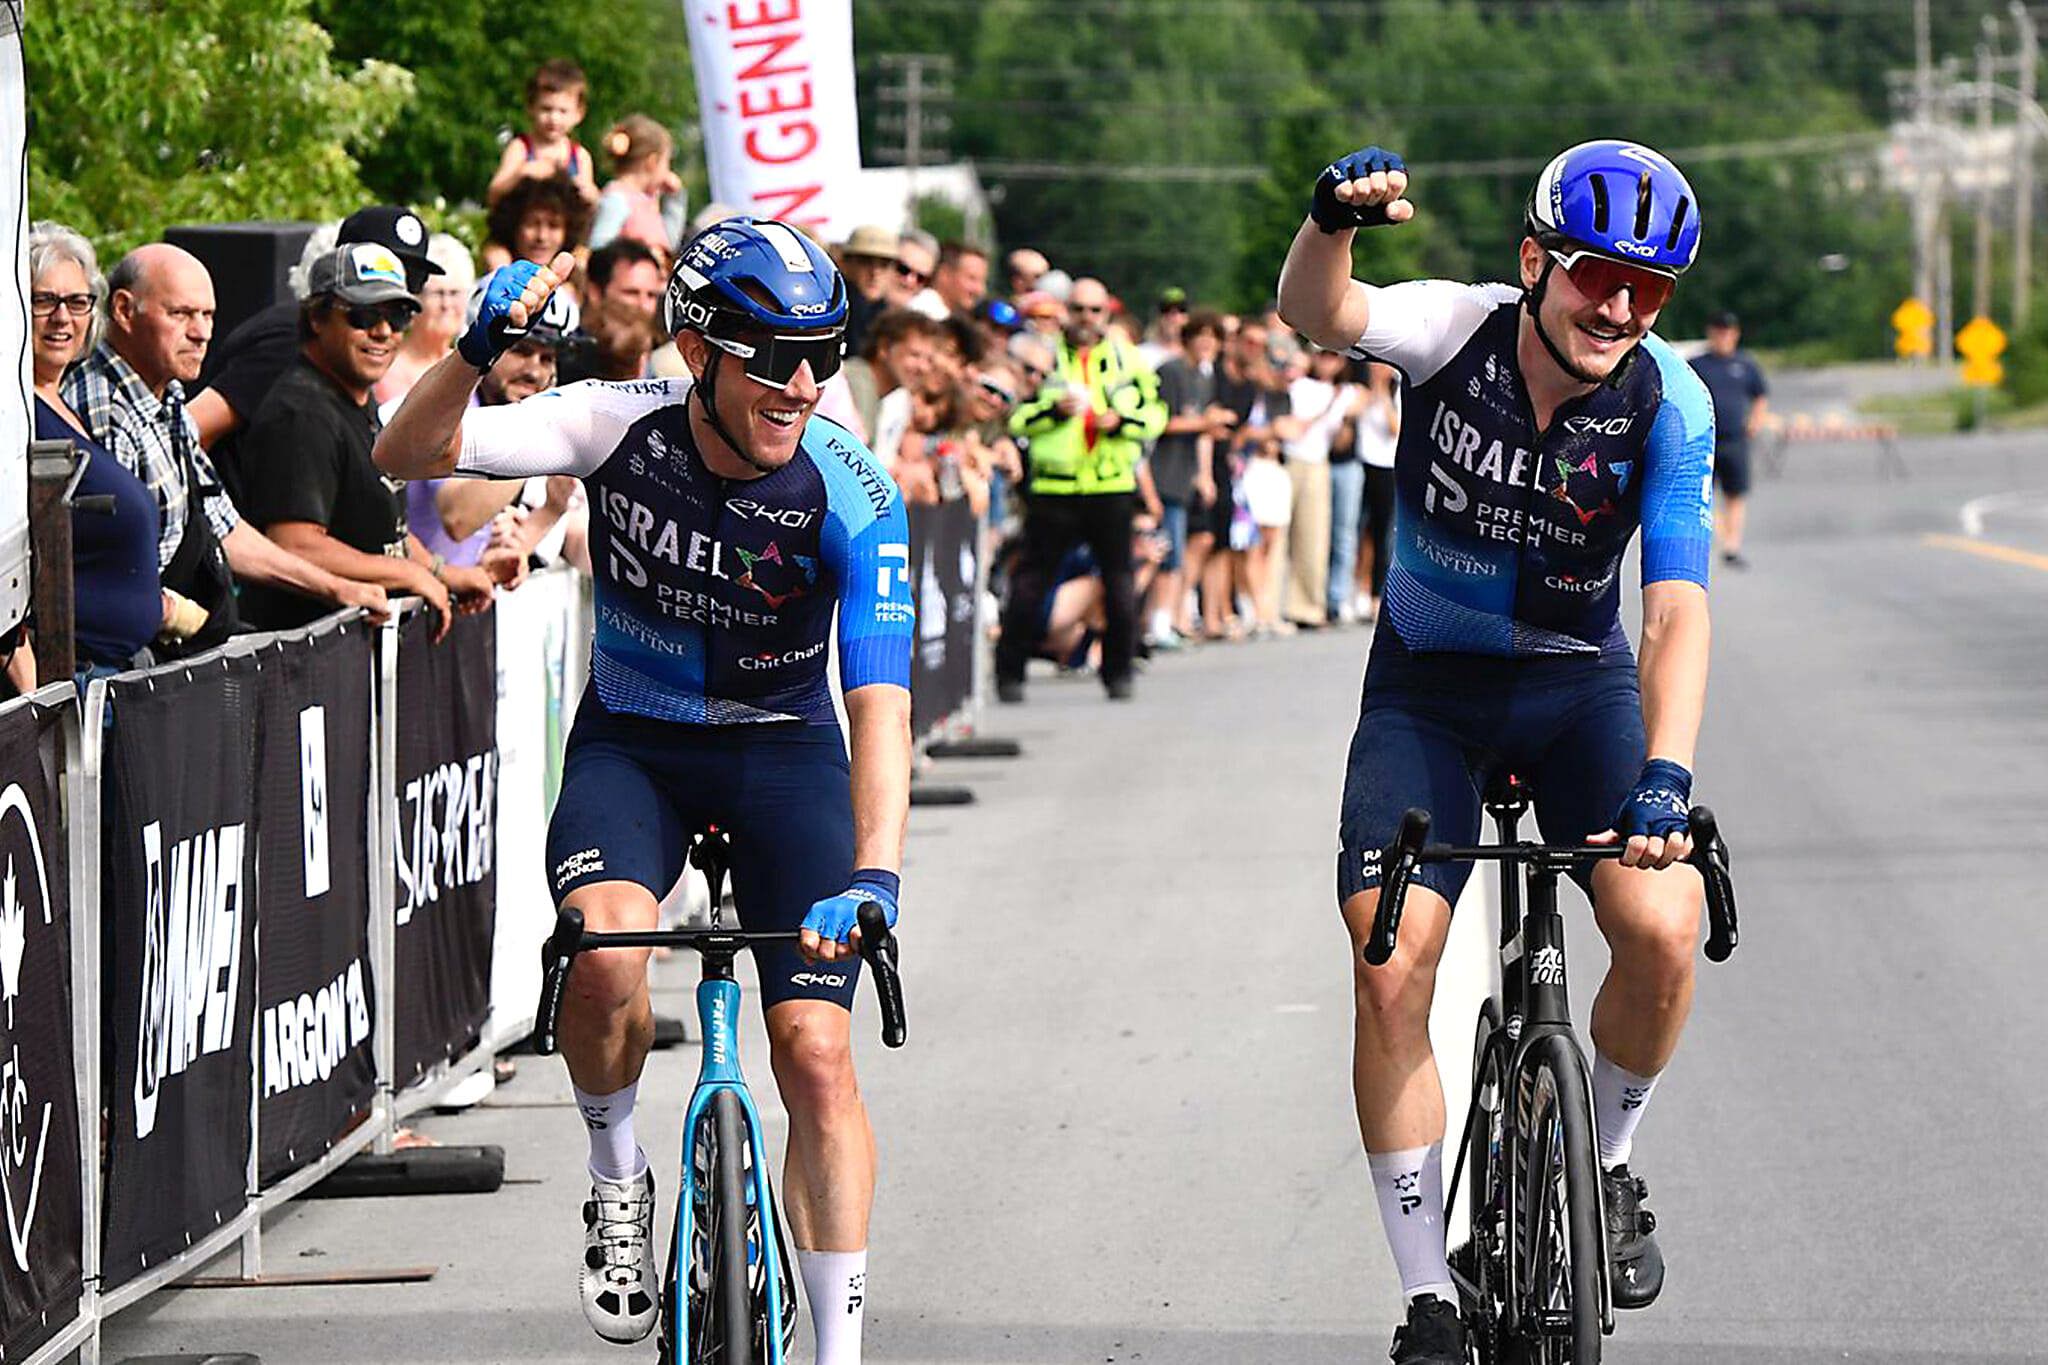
1121, 1130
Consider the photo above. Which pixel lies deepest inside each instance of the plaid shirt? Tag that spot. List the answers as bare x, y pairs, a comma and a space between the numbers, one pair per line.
146, 434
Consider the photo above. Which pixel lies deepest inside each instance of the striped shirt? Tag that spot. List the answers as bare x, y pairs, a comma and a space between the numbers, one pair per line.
153, 438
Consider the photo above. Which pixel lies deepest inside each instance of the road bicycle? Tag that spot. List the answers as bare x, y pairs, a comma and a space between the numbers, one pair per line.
1533, 1276
728, 1295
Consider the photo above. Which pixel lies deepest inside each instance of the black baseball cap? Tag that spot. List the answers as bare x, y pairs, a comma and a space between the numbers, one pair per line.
399, 228
1722, 317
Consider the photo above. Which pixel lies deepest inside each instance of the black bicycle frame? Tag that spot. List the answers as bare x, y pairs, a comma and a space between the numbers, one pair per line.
1535, 1000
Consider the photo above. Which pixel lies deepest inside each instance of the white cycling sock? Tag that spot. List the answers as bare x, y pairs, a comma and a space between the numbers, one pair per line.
614, 1155
836, 1283
1619, 1098
1410, 1187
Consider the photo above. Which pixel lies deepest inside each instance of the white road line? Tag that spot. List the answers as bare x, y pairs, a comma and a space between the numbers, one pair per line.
1973, 512
1464, 978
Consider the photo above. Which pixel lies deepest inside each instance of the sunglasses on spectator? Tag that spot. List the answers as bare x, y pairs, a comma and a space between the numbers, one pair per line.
1090, 307
911, 272
774, 360
1600, 278
996, 391
364, 317
42, 305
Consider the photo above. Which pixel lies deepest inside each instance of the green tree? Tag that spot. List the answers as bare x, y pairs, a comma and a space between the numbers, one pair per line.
473, 60
150, 113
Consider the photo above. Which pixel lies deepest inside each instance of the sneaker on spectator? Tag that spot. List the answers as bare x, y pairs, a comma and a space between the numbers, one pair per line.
1166, 641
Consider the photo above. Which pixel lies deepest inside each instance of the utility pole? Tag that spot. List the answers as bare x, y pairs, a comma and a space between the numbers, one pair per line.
2023, 173
919, 79
1923, 120
1980, 283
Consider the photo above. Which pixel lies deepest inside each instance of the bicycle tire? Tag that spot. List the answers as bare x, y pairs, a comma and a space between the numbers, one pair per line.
1559, 1244
732, 1273
1483, 1183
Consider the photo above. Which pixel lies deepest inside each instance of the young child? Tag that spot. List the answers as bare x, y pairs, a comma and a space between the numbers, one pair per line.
554, 107
641, 175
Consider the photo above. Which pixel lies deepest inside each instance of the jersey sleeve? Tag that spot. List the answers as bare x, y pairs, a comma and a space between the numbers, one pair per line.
1678, 480
866, 544
1419, 325
570, 430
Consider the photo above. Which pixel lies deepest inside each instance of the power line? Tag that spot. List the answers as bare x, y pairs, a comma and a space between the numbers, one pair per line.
1815, 144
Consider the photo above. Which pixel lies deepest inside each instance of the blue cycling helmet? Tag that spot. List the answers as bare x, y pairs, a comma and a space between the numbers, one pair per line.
1620, 199
753, 275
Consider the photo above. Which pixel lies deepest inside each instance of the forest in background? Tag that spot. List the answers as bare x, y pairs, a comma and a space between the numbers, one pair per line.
1152, 142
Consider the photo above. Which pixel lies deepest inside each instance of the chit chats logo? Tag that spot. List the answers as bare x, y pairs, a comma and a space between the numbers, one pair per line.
24, 1126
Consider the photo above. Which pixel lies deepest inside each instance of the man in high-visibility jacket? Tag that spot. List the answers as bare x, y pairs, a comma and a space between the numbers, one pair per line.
1088, 428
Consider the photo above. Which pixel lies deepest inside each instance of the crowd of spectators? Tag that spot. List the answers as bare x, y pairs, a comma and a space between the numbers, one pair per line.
1148, 481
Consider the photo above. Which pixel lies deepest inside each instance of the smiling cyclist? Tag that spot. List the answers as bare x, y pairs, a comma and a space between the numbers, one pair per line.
1542, 424
729, 525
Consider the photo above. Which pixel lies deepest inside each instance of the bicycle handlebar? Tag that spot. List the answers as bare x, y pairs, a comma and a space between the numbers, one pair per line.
1407, 852
558, 958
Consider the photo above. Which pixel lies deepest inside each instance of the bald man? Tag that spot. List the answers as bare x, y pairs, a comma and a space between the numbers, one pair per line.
130, 393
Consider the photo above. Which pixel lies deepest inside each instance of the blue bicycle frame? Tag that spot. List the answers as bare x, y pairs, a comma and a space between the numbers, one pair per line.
718, 1007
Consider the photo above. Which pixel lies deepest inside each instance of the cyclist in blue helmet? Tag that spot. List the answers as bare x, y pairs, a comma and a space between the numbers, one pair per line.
1544, 424
731, 529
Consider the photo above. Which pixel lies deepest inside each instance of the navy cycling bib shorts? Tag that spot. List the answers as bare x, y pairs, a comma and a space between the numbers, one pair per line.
1500, 641
716, 601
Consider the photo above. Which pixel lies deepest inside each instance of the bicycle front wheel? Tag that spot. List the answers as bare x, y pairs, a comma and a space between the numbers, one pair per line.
722, 1327
1558, 1250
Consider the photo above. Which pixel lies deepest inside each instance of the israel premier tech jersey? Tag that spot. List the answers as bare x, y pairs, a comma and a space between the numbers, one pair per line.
715, 596
1508, 541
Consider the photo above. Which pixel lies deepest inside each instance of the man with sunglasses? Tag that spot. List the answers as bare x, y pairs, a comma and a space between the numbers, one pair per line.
1543, 424
730, 528
306, 472
1087, 425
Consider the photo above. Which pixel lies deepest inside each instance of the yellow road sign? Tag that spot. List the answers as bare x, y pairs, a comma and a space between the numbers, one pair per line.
1981, 339
1914, 322
1986, 373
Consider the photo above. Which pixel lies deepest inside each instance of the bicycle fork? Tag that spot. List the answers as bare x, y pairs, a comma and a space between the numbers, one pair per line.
718, 1007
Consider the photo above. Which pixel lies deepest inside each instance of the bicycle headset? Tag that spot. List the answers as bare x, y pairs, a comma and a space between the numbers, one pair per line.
765, 293
559, 316
1614, 199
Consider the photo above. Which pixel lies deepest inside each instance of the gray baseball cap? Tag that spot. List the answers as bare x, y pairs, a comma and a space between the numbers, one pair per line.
361, 272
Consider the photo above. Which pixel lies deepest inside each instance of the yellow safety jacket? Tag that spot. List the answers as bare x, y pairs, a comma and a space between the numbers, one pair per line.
1071, 455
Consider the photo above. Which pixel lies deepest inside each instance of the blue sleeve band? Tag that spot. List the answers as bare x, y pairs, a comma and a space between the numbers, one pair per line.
880, 879
867, 544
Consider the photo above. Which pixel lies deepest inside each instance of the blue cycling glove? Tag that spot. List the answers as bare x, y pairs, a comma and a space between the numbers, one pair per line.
1332, 214
834, 917
491, 332
1658, 806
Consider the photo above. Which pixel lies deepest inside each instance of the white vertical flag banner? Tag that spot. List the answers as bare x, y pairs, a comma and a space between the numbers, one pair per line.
16, 421
775, 91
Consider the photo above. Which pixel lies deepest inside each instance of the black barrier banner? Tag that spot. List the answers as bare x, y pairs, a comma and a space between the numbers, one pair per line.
39, 1156
447, 835
178, 926
314, 981
942, 564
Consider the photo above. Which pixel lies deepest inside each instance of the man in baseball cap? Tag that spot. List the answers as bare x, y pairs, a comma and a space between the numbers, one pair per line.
397, 227
307, 475
245, 364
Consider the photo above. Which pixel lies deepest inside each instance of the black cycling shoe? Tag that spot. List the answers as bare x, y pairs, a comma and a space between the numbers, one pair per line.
1635, 1265
1433, 1335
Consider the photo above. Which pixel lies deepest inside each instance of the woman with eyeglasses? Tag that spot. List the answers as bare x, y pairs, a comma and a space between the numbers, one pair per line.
120, 605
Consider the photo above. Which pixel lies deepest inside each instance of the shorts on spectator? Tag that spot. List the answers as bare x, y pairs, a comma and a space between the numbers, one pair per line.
1731, 467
